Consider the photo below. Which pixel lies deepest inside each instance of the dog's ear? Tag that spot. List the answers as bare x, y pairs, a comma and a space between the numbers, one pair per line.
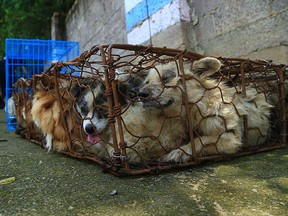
206, 67
167, 76
143, 73
134, 84
81, 85
76, 90
129, 89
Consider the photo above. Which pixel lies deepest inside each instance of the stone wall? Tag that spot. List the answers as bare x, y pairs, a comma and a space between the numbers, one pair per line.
255, 29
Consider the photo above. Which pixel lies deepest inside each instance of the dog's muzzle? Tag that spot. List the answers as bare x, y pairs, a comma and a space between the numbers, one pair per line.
143, 94
93, 136
89, 129
149, 101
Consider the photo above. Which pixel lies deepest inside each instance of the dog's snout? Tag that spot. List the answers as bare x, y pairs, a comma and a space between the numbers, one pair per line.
143, 94
89, 129
133, 93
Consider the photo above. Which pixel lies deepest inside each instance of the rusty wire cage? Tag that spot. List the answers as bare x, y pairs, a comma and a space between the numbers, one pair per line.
122, 150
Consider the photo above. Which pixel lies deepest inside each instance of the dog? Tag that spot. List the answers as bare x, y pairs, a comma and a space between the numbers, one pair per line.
46, 114
212, 116
91, 103
217, 111
23, 105
53, 113
155, 128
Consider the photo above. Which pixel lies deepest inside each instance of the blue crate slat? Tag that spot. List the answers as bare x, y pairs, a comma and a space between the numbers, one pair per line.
26, 57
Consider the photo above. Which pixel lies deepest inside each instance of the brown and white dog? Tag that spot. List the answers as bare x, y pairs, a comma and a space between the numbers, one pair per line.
53, 113
52, 117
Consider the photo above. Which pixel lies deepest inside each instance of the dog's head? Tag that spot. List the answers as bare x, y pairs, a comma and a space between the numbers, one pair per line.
92, 106
163, 86
206, 67
161, 89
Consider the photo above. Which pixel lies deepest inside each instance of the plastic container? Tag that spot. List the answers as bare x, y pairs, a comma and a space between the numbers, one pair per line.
26, 57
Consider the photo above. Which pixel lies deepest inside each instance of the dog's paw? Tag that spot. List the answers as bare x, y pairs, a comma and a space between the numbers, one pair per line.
178, 156
48, 147
49, 139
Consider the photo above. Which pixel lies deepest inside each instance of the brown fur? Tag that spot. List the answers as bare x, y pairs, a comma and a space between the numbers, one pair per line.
23, 106
47, 115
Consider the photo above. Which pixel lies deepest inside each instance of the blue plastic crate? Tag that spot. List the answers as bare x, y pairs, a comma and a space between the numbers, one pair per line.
26, 57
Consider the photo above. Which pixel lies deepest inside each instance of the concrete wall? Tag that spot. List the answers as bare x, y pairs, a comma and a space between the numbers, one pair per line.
94, 22
256, 29
247, 28
58, 27
157, 22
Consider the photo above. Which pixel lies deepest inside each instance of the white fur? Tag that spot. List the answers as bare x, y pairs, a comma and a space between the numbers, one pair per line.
10, 109
49, 138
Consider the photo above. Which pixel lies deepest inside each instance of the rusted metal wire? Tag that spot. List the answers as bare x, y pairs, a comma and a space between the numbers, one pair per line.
103, 63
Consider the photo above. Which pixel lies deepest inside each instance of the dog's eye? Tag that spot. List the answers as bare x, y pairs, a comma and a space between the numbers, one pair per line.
167, 76
165, 80
100, 99
84, 111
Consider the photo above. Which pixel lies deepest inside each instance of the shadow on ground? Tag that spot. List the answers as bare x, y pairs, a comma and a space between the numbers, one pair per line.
54, 184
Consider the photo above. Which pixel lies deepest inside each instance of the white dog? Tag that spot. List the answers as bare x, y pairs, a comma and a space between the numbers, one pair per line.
216, 113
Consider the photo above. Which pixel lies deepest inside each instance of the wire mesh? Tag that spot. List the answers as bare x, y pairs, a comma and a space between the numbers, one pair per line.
142, 109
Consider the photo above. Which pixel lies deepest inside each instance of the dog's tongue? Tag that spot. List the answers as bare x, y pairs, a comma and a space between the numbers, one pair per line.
94, 138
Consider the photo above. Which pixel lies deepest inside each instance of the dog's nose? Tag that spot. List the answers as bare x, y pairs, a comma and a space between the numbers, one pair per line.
89, 129
133, 93
143, 94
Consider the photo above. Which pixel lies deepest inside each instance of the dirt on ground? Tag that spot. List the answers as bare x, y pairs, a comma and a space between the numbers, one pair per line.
35, 182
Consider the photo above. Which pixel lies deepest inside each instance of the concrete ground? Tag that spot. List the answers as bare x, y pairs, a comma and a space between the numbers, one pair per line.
54, 184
